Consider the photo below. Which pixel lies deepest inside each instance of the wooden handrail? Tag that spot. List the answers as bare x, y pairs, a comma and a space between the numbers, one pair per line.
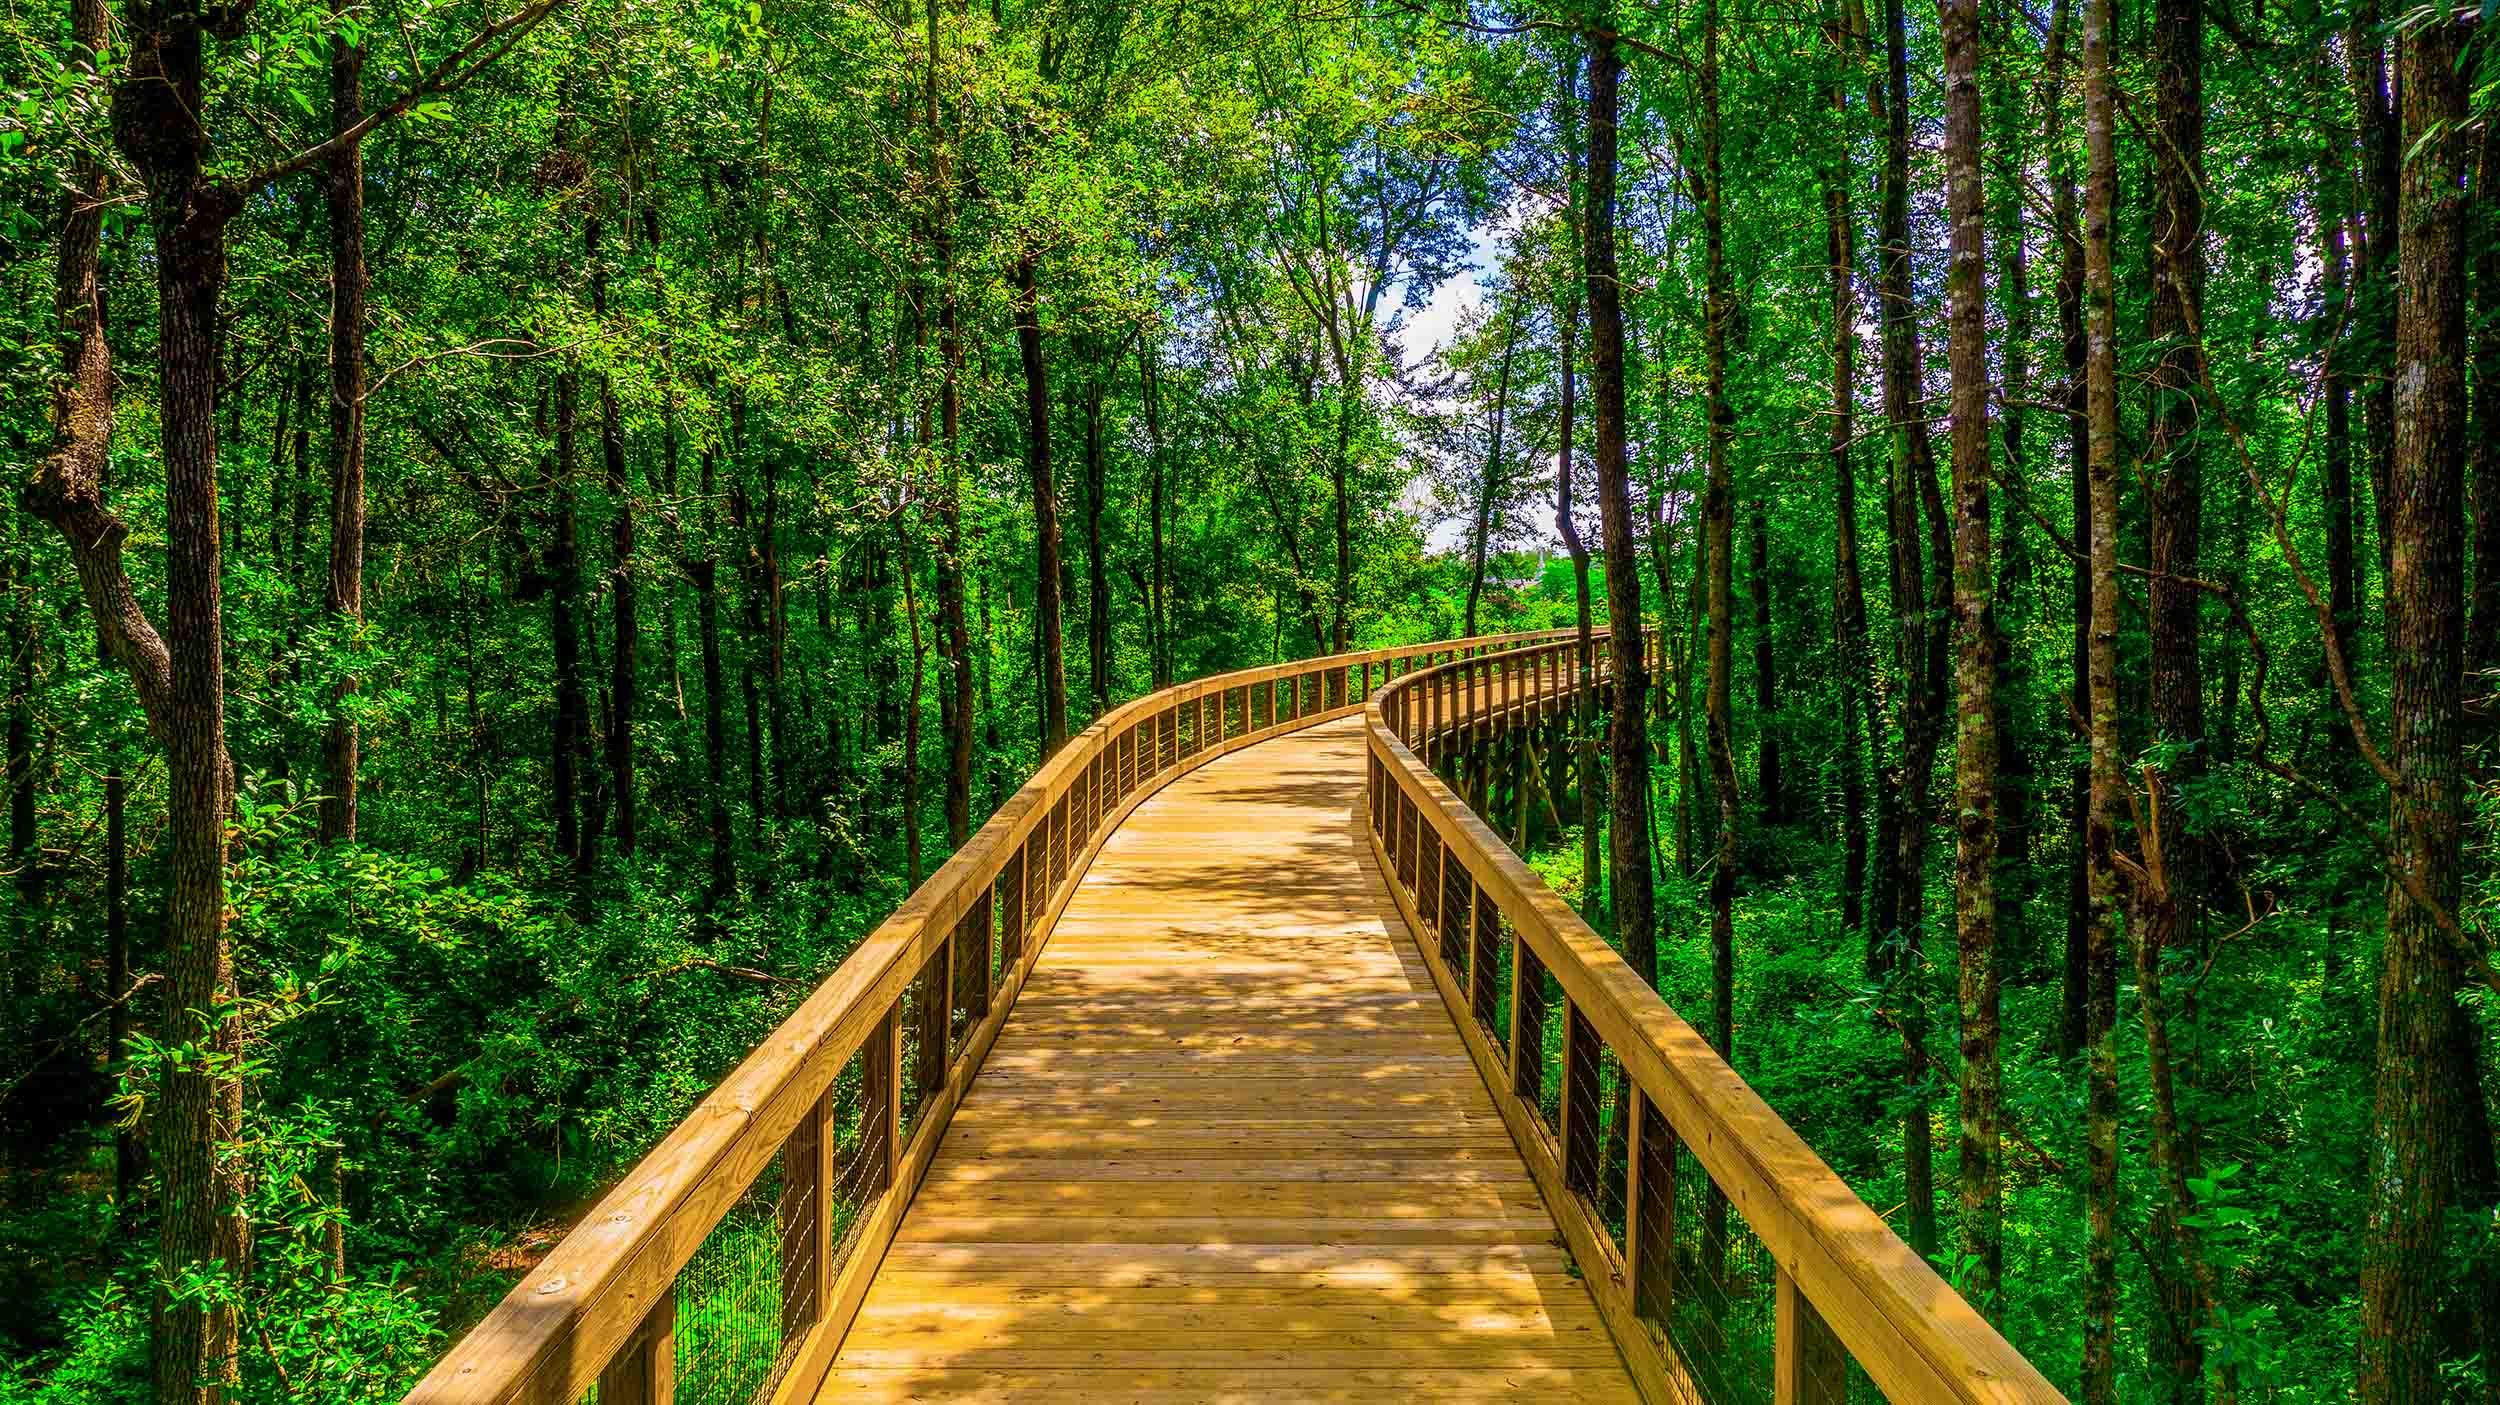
1845, 1282
600, 1307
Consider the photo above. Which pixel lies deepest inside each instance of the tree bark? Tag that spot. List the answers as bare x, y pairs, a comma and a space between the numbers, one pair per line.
1919, 606
624, 664
2074, 992
705, 572
1975, 670
1566, 519
1765, 672
344, 193
1861, 730
2374, 320
1054, 668
2175, 496
1098, 651
569, 760
2428, 1125
2100, 1290
1479, 540
1629, 880
199, 1107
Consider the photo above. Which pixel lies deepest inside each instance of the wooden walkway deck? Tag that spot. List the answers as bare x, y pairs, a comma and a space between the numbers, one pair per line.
1229, 1146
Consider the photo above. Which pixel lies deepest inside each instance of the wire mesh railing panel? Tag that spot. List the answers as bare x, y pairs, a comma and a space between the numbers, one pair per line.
1596, 1126
1427, 885
1404, 847
924, 1040
1185, 718
1490, 971
1723, 1315
860, 1148
1458, 899
1536, 1060
1010, 919
729, 1320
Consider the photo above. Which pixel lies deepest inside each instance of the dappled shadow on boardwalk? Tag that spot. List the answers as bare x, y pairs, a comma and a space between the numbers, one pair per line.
1229, 1146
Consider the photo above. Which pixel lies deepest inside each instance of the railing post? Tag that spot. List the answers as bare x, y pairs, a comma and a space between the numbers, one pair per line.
1809, 1367
644, 1372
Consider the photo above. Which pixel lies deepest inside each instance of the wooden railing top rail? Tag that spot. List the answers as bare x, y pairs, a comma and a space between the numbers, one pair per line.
1916, 1338
564, 1321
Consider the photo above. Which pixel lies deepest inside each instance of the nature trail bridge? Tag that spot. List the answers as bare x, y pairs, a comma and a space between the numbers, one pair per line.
1293, 1083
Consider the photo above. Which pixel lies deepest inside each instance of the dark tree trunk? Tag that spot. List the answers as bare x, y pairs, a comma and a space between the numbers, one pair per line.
2374, 321
199, 1104
1098, 652
1054, 670
1566, 519
1975, 671
1860, 727
1158, 577
1718, 533
705, 571
1629, 880
2175, 494
1480, 537
2075, 987
2100, 1288
624, 662
569, 761
345, 195
1765, 672
1918, 607
2430, 1133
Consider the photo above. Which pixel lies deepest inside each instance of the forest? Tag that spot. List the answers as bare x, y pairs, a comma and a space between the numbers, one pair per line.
538, 522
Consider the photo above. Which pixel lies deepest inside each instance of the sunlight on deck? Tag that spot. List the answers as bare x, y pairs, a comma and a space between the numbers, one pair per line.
1229, 1146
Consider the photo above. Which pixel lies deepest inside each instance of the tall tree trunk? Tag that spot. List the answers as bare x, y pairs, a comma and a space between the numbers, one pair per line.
2175, 493
1097, 575
2074, 991
1718, 531
2430, 1134
1860, 727
569, 761
704, 568
1629, 880
199, 1103
2365, 53
1158, 578
1765, 671
1566, 518
2100, 1288
954, 636
625, 674
344, 193
1480, 538
1054, 669
1900, 965
1975, 670
117, 977
2343, 567
911, 715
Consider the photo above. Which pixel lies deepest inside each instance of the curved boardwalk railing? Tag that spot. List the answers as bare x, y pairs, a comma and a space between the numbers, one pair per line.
727, 1264
1729, 1261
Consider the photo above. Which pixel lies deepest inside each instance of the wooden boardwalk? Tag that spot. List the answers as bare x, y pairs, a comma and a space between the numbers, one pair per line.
1229, 1146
